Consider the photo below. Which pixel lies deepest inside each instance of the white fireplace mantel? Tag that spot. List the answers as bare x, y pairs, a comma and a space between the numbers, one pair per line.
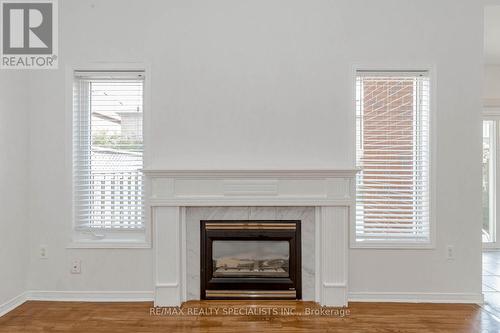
169, 192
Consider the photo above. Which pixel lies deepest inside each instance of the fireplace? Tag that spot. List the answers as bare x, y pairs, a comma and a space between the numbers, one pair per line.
177, 200
250, 260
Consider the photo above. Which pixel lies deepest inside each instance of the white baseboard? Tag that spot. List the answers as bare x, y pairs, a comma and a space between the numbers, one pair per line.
13, 303
468, 298
91, 296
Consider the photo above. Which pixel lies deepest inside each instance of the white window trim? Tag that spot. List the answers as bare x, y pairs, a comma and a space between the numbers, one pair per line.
399, 245
118, 239
493, 113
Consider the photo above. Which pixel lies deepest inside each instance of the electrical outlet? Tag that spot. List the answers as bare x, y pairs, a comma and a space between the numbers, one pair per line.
76, 267
450, 252
43, 252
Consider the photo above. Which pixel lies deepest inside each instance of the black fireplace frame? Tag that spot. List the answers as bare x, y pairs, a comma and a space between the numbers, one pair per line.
251, 287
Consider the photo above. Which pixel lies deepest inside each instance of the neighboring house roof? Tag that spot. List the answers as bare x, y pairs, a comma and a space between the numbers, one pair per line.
104, 159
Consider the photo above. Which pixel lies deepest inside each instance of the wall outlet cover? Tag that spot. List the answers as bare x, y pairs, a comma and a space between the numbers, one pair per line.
76, 267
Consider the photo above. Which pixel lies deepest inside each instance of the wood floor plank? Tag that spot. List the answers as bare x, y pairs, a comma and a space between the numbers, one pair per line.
243, 317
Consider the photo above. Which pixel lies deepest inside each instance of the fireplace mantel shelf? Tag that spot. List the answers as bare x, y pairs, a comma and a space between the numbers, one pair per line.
240, 173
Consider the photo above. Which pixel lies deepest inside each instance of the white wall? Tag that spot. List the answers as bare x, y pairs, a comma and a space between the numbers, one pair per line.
492, 85
266, 84
13, 184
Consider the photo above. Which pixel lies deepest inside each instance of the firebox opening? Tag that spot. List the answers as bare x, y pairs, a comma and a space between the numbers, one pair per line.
250, 259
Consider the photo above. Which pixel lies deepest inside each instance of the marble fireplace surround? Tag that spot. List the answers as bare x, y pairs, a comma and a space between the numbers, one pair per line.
178, 199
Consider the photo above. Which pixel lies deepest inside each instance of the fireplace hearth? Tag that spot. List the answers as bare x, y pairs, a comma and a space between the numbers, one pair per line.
250, 260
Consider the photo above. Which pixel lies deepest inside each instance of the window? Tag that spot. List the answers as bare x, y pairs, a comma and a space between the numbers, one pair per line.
392, 152
489, 183
108, 155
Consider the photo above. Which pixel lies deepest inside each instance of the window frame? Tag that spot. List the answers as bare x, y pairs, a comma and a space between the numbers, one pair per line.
399, 245
493, 114
112, 238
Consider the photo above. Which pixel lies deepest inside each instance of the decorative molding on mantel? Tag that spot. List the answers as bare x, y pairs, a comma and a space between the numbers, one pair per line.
249, 187
237, 202
275, 173
169, 192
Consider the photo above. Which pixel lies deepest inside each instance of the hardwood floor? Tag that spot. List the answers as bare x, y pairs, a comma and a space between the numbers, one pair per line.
33, 317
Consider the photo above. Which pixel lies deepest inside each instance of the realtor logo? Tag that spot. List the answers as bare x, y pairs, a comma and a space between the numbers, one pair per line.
29, 34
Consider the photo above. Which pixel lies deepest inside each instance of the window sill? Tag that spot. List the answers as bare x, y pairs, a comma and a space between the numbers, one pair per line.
393, 246
110, 239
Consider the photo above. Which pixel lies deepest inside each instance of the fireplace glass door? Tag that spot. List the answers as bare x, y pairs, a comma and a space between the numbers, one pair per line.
250, 258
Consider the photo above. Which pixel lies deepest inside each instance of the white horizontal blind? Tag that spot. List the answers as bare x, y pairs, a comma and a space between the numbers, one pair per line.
392, 188
108, 150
